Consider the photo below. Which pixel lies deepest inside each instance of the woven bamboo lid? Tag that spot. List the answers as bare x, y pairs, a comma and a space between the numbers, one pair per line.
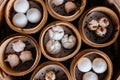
35, 27
91, 54
95, 13
60, 70
22, 68
61, 56
65, 18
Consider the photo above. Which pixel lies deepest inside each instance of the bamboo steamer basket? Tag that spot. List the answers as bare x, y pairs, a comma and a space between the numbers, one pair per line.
11, 71
25, 30
91, 52
114, 19
71, 27
2, 8
48, 66
66, 18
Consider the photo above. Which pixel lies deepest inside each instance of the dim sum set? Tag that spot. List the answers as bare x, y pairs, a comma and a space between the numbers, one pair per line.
20, 55
97, 27
65, 10
58, 38
91, 64
22, 7
51, 71
14, 59
26, 16
69, 5
100, 27
85, 65
58, 41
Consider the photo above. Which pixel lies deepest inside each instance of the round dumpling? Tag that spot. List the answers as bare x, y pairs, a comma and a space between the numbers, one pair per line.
34, 15
103, 22
90, 76
50, 75
84, 64
70, 6
53, 47
58, 2
68, 42
20, 20
93, 25
99, 65
56, 33
101, 31
21, 6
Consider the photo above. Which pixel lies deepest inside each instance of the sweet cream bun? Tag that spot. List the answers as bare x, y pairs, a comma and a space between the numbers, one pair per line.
21, 6
90, 76
99, 65
84, 64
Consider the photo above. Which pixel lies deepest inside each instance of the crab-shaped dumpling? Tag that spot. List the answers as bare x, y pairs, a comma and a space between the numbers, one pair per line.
13, 60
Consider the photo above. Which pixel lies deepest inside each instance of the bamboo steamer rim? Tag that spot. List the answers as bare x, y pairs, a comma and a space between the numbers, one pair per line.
118, 77
65, 18
2, 49
2, 6
26, 31
92, 51
62, 67
111, 14
72, 27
